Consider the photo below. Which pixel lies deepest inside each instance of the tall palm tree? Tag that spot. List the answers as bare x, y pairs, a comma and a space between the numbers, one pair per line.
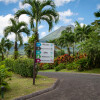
4, 46
38, 12
82, 32
17, 28
67, 38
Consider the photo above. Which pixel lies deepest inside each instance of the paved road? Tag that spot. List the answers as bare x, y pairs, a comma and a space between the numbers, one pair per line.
72, 86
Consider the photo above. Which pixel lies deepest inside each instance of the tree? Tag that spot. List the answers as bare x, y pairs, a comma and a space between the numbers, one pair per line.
5, 45
66, 38
29, 47
82, 32
16, 28
38, 12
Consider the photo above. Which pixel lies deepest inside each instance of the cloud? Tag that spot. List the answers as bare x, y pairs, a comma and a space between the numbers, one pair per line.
61, 2
98, 6
9, 1
15, 10
80, 18
4, 22
41, 26
64, 15
24, 18
43, 34
21, 6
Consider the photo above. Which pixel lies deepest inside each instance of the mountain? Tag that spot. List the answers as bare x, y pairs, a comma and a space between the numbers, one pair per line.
55, 34
51, 36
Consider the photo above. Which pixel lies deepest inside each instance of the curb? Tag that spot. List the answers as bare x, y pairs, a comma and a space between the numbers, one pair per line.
39, 92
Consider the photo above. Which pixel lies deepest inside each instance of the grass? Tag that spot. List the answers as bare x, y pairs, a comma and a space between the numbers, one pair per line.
20, 86
96, 71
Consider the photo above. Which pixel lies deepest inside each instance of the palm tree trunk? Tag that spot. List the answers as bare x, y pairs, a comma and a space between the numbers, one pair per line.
73, 51
2, 56
68, 49
16, 51
37, 37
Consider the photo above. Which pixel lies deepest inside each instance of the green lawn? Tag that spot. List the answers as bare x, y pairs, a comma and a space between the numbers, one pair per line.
20, 86
96, 71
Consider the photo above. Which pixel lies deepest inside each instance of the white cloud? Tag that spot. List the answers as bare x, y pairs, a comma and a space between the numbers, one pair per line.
80, 18
24, 18
41, 26
9, 1
4, 22
15, 10
98, 6
64, 15
43, 34
81, 24
61, 2
21, 6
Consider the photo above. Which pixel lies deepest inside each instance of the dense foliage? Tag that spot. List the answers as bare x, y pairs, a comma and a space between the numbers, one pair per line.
4, 74
24, 67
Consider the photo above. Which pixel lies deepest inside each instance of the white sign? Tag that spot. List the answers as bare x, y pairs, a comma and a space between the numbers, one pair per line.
44, 52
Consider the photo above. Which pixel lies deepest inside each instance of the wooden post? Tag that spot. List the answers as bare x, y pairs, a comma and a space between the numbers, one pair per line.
34, 66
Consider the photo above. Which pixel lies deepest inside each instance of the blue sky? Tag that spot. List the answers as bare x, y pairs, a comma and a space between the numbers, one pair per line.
69, 11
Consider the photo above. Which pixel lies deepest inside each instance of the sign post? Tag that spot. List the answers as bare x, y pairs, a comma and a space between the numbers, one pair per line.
43, 53
34, 66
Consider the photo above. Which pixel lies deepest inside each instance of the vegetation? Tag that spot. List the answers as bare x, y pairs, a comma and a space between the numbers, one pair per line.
20, 86
38, 13
17, 28
4, 74
5, 45
23, 67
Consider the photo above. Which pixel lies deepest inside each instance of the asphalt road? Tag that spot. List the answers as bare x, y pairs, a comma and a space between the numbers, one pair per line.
72, 86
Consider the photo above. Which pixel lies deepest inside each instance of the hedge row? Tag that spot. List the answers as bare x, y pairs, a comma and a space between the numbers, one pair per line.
24, 67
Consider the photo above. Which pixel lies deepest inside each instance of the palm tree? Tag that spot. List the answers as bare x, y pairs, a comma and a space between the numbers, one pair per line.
4, 45
66, 38
82, 32
97, 14
17, 28
38, 12
9, 44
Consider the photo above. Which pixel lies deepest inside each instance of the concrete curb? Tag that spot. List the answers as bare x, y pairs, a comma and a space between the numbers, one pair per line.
39, 92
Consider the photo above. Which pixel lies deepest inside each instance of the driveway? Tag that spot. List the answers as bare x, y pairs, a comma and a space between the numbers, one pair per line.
72, 86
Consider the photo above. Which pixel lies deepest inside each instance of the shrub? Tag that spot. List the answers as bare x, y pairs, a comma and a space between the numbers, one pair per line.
4, 73
82, 64
60, 67
24, 66
2, 63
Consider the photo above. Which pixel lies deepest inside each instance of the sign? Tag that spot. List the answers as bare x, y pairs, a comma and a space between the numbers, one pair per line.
44, 53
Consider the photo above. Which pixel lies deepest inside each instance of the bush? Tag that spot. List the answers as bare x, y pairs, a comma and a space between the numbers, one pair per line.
82, 64
2, 63
60, 67
4, 73
24, 66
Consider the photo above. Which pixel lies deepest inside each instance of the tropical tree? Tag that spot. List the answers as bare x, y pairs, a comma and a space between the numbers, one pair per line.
16, 28
29, 47
9, 44
5, 45
39, 12
82, 32
66, 38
